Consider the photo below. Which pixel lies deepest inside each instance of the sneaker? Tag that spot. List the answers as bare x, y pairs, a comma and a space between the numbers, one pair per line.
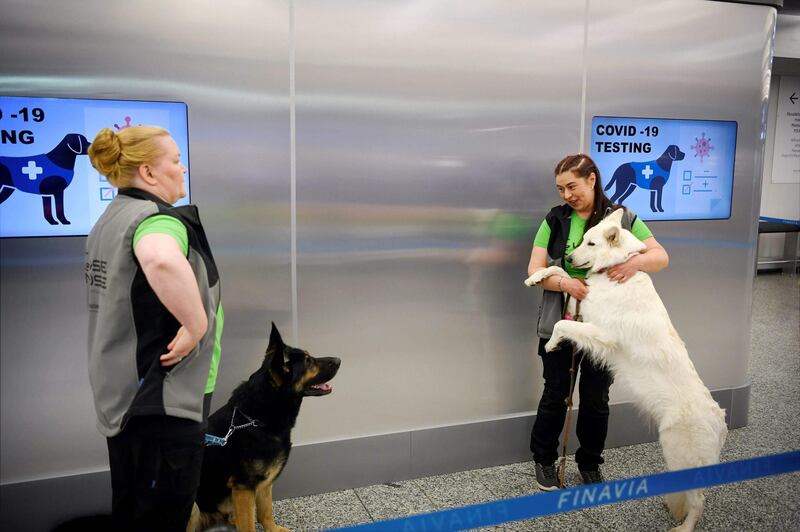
546, 477
592, 476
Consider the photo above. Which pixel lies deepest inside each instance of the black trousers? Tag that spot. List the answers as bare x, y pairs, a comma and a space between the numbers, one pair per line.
155, 470
592, 411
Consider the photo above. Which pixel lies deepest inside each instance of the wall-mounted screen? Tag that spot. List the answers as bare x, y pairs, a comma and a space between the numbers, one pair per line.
47, 184
667, 169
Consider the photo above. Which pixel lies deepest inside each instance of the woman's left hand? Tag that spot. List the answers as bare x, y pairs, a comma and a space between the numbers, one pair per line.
622, 272
179, 347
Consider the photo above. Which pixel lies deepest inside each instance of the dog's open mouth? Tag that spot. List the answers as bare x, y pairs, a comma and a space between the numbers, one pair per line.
318, 389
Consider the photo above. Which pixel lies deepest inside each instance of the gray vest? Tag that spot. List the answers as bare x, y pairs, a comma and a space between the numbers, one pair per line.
129, 328
552, 306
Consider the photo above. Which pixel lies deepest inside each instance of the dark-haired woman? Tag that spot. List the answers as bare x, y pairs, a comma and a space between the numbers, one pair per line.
578, 182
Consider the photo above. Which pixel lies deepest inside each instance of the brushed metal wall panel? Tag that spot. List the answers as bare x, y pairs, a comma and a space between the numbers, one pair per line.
230, 63
445, 450
426, 134
680, 62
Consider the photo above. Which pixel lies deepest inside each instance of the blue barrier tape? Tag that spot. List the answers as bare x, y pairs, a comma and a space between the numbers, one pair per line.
579, 498
778, 220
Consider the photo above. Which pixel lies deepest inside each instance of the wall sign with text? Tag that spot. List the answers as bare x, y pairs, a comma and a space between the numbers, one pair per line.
786, 154
47, 184
667, 169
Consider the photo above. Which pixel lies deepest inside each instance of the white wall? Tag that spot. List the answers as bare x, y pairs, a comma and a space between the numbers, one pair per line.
779, 200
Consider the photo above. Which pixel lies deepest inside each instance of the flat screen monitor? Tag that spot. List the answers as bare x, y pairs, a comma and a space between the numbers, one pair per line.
47, 184
667, 169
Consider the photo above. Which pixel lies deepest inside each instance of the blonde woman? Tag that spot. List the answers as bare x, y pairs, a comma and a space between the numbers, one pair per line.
155, 322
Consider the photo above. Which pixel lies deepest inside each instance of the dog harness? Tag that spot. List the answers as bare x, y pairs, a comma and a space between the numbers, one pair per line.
216, 440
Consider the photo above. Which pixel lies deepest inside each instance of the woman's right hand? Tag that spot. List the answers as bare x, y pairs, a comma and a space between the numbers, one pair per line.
575, 287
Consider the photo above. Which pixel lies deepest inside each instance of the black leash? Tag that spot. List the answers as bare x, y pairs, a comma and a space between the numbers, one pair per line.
562, 465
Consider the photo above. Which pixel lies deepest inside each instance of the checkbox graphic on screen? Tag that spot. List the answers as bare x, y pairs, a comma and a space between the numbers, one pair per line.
106, 194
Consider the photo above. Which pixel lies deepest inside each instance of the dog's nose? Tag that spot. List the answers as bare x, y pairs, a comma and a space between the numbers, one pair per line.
569, 258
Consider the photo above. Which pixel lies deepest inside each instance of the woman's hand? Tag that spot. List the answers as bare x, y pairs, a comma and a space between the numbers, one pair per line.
622, 272
179, 347
653, 259
575, 287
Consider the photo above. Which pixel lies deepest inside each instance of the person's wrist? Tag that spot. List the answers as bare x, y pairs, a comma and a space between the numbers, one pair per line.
560, 280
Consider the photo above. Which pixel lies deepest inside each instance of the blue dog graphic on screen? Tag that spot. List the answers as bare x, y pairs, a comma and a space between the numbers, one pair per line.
649, 175
47, 175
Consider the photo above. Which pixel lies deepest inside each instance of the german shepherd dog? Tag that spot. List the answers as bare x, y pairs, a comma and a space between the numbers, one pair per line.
236, 479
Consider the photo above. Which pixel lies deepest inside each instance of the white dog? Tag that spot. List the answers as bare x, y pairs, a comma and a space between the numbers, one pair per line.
626, 328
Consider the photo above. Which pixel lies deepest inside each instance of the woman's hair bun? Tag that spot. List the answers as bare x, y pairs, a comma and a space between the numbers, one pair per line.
105, 152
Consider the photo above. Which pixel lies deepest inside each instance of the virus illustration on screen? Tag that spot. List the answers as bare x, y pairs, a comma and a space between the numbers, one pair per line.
702, 147
126, 126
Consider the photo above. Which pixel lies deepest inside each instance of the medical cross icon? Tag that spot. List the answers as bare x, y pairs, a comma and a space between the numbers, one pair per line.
32, 170
647, 172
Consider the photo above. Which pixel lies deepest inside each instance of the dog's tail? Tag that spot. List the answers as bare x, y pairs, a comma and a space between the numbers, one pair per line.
678, 504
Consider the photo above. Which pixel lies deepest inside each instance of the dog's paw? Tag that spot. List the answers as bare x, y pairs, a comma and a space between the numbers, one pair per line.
538, 277
552, 344
269, 525
543, 274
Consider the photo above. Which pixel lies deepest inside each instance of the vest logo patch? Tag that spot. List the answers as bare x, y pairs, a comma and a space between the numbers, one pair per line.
96, 272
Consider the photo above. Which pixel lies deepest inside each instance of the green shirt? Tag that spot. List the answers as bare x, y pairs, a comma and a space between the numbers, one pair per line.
577, 226
167, 225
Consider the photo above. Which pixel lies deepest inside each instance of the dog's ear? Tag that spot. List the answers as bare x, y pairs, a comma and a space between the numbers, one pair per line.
673, 151
611, 235
277, 367
278, 351
275, 337
616, 216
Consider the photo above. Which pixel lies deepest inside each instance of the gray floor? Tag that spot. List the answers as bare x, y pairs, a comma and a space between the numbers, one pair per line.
768, 504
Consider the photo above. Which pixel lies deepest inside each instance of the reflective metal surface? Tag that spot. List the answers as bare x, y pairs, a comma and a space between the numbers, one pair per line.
229, 63
426, 133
